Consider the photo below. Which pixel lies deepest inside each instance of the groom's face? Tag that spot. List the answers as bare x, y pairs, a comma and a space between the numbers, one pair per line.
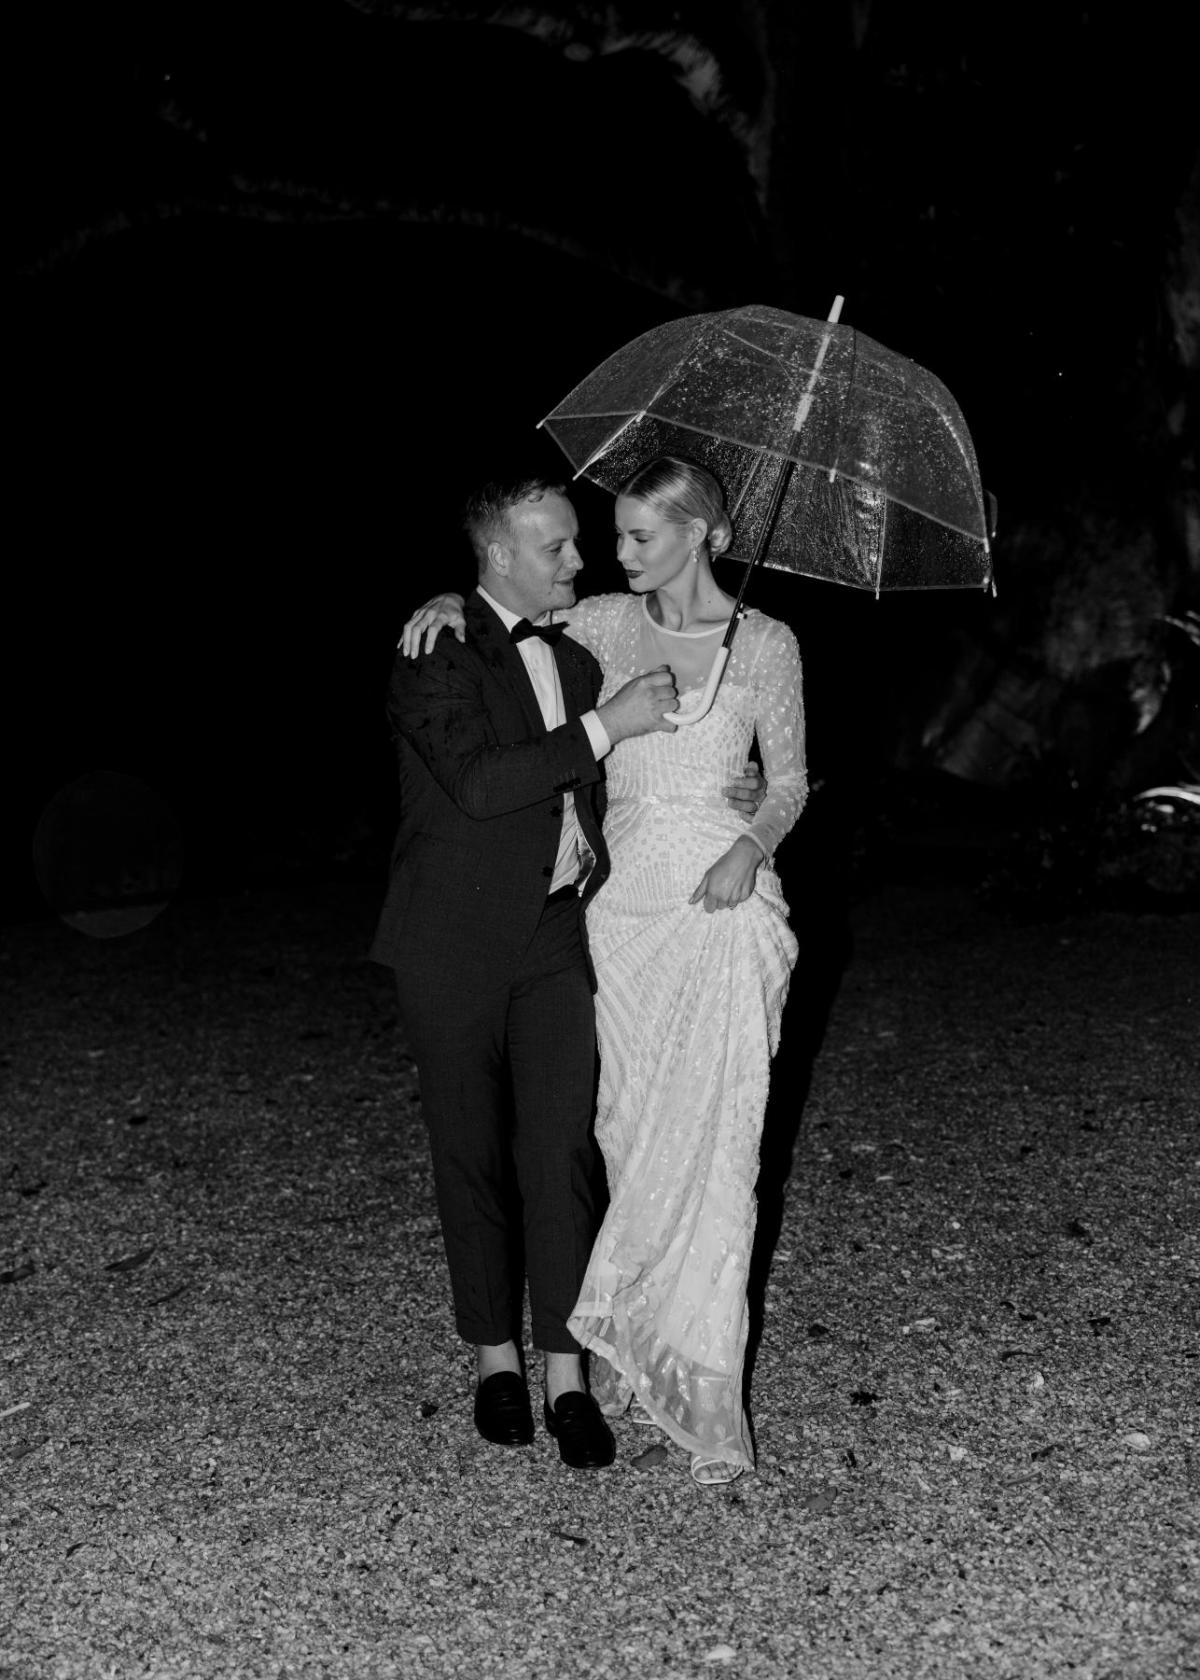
542, 560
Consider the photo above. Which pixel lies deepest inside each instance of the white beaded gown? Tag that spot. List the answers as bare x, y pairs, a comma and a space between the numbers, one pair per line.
688, 1010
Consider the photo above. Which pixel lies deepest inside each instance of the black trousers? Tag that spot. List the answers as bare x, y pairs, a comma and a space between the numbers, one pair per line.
507, 1084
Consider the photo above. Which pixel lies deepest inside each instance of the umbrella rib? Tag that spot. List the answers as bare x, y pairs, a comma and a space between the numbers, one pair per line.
701, 343
781, 452
949, 415
603, 448
631, 419
922, 513
766, 355
967, 455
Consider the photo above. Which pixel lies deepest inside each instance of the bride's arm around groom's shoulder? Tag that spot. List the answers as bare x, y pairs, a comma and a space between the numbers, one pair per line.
586, 622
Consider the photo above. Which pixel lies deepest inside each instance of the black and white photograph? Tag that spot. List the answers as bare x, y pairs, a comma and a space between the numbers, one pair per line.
600, 880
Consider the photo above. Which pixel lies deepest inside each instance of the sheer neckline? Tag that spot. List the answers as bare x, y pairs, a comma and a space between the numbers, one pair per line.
712, 630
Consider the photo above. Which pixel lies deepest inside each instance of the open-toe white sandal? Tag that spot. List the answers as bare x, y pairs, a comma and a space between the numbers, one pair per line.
714, 1472
639, 1414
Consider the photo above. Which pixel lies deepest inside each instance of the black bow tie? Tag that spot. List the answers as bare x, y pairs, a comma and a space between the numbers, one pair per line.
548, 632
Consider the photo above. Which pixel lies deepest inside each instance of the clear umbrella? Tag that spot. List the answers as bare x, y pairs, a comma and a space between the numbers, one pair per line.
839, 458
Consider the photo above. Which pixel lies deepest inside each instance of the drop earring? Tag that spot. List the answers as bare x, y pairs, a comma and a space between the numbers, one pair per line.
694, 557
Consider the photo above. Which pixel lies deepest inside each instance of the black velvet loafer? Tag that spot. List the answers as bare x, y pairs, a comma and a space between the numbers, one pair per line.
585, 1441
502, 1411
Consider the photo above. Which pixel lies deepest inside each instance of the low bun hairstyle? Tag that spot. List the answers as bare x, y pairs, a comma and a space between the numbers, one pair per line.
682, 490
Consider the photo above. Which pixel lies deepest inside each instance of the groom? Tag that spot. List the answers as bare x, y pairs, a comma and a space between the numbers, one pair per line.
499, 741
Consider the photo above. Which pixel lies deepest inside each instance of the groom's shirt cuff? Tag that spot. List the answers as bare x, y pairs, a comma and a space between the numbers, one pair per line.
596, 734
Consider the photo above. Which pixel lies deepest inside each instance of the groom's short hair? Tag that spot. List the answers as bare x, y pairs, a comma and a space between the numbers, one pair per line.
485, 516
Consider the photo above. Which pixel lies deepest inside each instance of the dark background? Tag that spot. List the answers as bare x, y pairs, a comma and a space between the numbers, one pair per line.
290, 278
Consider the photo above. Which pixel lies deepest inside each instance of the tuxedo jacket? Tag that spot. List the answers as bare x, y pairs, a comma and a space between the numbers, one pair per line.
481, 803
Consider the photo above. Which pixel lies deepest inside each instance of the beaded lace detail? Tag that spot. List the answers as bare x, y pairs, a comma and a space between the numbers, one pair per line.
688, 1013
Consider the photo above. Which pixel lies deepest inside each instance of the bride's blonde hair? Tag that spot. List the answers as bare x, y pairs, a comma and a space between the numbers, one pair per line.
682, 490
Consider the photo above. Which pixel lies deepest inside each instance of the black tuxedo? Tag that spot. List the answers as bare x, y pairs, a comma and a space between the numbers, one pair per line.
495, 984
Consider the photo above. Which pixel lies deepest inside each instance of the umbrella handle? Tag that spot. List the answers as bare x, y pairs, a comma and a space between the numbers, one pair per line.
702, 709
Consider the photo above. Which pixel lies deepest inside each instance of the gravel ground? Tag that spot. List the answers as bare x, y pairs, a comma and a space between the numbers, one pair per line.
235, 1430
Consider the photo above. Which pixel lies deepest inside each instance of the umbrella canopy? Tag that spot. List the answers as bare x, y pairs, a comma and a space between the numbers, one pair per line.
839, 458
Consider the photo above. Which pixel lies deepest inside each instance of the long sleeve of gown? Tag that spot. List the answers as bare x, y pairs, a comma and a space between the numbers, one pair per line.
779, 725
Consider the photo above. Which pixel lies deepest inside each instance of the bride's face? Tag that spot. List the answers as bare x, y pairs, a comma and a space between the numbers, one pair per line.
652, 550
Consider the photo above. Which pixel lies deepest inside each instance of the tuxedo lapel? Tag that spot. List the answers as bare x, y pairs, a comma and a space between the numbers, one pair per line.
577, 694
498, 651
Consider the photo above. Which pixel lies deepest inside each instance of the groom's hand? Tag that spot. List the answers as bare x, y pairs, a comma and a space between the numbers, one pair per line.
747, 791
641, 706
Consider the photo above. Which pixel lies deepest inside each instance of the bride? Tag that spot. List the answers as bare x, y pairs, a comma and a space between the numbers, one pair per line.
693, 954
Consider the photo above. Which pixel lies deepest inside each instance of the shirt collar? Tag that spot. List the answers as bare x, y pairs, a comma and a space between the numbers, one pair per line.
507, 617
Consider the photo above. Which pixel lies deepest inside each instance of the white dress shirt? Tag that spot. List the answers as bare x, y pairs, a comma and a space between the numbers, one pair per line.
574, 858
